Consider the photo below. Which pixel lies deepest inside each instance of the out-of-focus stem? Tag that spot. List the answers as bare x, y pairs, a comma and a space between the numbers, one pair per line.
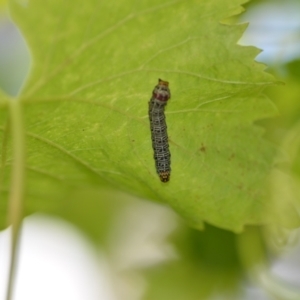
16, 191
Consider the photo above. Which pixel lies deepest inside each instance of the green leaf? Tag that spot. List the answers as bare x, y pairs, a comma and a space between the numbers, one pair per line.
3, 4
285, 181
85, 107
202, 270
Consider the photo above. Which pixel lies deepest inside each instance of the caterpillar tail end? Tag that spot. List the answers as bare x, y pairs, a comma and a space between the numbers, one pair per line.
164, 176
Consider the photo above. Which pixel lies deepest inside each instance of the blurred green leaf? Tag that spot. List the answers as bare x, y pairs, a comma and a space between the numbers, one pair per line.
3, 4
285, 180
284, 130
207, 266
85, 107
286, 98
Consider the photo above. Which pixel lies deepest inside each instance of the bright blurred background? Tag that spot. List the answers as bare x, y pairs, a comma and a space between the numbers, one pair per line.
150, 253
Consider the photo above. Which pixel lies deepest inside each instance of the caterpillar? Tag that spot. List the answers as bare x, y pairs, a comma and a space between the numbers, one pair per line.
160, 144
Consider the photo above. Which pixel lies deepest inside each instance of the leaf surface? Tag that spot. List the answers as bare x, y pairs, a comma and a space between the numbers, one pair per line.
95, 64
